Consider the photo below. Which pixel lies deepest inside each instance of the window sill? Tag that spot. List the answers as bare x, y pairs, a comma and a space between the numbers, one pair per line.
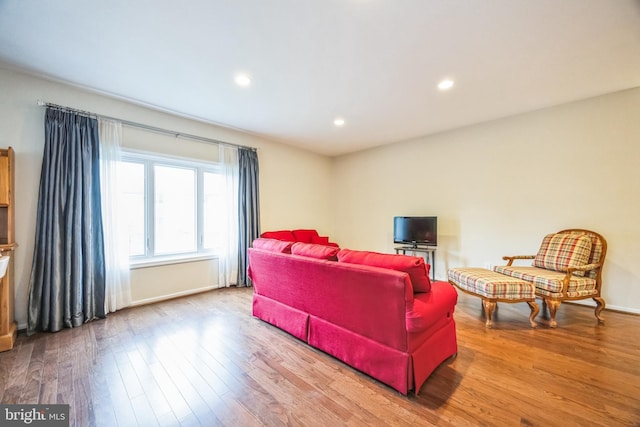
173, 259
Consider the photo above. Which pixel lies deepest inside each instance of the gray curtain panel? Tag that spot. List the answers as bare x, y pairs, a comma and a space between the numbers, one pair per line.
67, 286
248, 209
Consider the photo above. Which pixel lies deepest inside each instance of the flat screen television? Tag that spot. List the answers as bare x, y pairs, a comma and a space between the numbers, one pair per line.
415, 230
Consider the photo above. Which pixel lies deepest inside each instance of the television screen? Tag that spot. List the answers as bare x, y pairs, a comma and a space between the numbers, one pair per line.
416, 230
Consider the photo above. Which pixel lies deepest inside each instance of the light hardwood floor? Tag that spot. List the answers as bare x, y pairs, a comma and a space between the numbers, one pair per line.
204, 360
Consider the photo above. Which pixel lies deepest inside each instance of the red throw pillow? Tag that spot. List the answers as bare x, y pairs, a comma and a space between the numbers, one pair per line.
273, 245
285, 235
414, 266
315, 251
305, 236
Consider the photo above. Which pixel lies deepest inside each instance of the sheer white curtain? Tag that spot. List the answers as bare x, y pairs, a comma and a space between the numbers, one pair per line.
116, 252
228, 259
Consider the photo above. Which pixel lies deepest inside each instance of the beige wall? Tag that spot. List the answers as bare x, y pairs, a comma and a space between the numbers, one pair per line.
295, 185
499, 187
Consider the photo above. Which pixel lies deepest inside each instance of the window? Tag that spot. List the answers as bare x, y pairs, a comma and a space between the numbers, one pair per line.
173, 208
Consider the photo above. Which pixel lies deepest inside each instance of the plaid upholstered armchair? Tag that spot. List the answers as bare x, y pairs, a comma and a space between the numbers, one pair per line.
568, 266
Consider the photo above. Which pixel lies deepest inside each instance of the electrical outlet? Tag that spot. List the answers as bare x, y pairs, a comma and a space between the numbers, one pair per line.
488, 266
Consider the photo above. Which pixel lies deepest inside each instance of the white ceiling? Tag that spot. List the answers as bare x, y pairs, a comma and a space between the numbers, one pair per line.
376, 63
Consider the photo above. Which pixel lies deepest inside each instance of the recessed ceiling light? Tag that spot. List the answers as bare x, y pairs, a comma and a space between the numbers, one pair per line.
243, 80
338, 122
445, 84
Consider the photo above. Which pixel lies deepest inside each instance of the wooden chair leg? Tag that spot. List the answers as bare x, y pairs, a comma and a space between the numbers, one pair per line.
535, 309
489, 306
544, 311
553, 308
600, 304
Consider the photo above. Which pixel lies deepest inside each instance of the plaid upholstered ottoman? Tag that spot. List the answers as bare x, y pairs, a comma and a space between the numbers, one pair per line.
494, 287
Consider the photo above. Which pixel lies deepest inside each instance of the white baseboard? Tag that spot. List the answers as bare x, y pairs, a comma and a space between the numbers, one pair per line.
23, 325
171, 296
590, 303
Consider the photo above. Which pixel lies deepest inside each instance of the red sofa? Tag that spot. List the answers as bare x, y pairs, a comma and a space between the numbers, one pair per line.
367, 316
301, 235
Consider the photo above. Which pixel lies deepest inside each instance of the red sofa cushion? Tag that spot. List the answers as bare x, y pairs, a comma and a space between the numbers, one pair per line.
561, 251
273, 245
300, 235
304, 236
315, 251
320, 240
415, 267
285, 235
323, 240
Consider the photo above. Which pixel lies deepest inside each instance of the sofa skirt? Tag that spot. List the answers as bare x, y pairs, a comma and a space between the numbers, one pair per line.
383, 363
287, 318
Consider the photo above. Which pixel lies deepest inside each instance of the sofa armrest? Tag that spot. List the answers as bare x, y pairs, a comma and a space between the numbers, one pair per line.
515, 257
569, 273
587, 267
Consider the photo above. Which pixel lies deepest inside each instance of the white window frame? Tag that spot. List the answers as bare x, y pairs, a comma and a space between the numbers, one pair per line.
150, 160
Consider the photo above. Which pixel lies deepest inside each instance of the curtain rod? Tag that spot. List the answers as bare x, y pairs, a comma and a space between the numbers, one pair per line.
143, 126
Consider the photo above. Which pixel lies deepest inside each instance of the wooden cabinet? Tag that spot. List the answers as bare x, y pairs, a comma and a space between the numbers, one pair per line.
6, 160
7, 247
